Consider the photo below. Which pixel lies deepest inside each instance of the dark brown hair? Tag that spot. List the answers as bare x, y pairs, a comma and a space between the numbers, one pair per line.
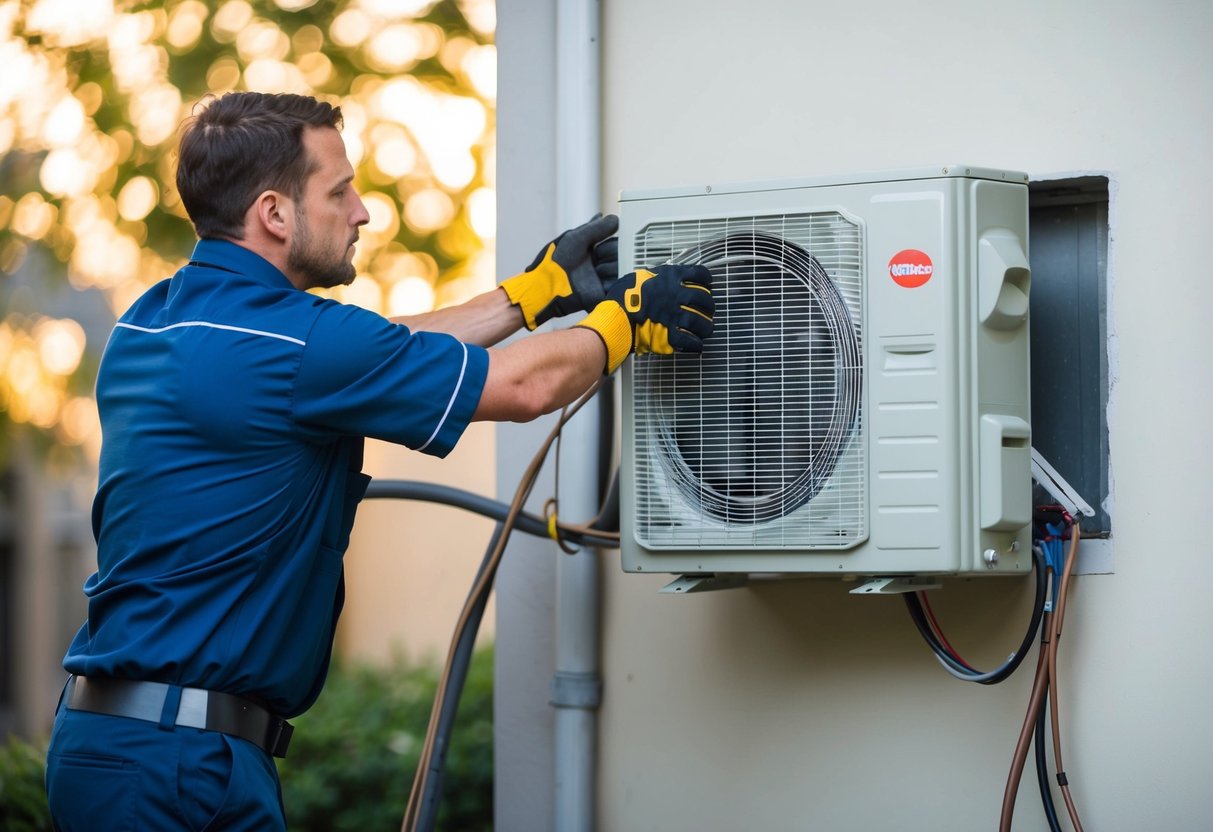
235, 147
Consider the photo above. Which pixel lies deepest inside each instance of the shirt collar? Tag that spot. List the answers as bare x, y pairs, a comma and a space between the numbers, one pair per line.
231, 256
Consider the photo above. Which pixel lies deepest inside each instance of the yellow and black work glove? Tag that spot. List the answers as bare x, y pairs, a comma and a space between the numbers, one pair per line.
663, 311
570, 274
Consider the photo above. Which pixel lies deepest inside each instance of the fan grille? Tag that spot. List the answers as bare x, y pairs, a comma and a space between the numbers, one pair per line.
753, 443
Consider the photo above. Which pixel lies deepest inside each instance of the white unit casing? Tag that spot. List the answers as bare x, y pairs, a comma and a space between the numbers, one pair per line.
862, 407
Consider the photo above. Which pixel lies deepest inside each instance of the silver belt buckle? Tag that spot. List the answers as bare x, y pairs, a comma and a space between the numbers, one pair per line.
192, 711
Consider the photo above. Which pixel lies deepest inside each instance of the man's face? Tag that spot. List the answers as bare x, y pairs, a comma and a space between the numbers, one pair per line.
327, 216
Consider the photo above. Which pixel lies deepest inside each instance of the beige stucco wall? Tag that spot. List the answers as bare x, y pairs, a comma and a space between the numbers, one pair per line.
410, 564
797, 706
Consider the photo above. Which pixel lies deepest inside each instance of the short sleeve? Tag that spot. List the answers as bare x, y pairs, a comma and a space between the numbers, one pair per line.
363, 375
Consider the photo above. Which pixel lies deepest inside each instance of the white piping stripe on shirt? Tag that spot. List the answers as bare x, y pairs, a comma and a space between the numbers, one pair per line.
213, 326
451, 403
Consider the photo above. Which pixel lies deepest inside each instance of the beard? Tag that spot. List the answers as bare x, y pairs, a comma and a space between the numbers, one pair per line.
319, 267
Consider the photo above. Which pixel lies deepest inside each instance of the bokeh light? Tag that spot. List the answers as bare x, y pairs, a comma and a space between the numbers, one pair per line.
412, 295
429, 210
230, 19
185, 24
60, 345
91, 100
64, 122
68, 23
395, 155
137, 198
350, 28
482, 212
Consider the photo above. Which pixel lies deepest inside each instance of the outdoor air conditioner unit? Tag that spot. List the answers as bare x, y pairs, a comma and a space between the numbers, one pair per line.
862, 408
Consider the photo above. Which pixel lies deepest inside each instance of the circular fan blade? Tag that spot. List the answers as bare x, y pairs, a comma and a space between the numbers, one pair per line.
753, 430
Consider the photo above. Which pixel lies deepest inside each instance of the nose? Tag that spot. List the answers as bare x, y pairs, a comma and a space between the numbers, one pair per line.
361, 215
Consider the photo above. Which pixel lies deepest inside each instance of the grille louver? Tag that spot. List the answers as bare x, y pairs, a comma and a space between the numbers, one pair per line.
753, 444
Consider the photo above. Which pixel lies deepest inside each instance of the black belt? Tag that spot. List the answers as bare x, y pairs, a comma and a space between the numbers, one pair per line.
205, 709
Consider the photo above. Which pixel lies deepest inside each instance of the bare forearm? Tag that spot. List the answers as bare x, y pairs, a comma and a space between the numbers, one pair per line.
485, 320
539, 374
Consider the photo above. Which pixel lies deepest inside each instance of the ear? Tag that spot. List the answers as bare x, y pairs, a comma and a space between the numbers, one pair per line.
274, 214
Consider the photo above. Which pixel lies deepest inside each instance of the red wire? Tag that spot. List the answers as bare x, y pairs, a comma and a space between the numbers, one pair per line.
926, 605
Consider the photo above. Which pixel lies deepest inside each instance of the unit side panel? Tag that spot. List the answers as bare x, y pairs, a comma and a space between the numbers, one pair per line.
912, 370
1001, 408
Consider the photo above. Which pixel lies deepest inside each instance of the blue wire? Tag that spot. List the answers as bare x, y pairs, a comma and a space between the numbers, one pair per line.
1055, 555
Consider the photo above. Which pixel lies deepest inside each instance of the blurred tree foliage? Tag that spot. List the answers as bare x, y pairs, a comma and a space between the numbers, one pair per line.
91, 97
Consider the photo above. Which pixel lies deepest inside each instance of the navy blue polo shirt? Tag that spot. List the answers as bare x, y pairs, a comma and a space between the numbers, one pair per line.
233, 409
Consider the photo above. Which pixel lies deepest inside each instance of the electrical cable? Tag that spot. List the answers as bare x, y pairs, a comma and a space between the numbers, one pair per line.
1054, 705
423, 800
423, 791
606, 429
608, 509
961, 670
588, 534
1047, 619
551, 506
938, 631
607, 520
462, 660
1040, 681
1045, 679
1042, 773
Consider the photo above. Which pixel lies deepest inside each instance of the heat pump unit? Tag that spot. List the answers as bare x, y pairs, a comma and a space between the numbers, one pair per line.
862, 408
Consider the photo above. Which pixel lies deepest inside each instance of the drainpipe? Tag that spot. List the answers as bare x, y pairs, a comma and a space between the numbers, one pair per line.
577, 686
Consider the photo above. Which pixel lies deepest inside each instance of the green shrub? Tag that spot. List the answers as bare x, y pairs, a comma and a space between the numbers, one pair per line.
353, 756
22, 787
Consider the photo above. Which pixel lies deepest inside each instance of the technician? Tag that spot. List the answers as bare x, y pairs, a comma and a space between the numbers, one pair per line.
233, 406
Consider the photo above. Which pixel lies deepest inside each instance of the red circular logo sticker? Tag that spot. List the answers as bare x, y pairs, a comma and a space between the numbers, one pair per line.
911, 268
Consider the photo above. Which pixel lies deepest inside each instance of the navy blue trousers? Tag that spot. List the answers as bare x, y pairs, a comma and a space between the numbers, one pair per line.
113, 773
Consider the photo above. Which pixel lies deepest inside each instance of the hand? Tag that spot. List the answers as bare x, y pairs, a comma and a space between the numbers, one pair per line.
664, 311
570, 274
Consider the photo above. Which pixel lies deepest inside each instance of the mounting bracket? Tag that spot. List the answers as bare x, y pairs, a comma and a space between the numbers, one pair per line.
894, 586
704, 583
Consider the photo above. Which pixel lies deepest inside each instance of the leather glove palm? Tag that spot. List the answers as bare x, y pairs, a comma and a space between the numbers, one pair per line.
570, 274
664, 311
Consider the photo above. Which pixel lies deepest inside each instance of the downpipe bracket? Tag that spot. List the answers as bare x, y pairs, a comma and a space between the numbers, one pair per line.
576, 690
